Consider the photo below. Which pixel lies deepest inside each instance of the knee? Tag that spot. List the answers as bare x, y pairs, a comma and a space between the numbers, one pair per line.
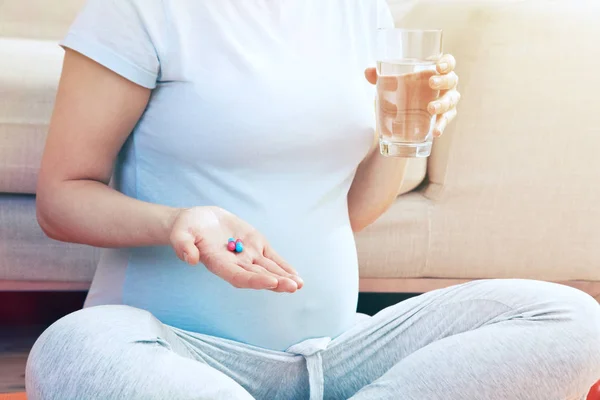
112, 352
567, 303
579, 331
585, 317
51, 355
568, 323
83, 327
569, 315
545, 301
73, 341
538, 300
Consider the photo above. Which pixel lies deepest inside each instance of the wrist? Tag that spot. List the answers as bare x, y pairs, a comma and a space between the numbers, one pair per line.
168, 219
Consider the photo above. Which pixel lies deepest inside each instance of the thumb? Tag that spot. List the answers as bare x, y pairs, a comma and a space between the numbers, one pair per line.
371, 75
185, 248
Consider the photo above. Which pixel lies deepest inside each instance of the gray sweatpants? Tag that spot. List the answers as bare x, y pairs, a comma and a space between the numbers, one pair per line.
485, 340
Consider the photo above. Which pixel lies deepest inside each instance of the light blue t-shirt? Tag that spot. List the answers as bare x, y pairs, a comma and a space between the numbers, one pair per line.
260, 107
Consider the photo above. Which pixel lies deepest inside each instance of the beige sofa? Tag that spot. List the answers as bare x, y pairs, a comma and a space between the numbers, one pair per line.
510, 190
513, 188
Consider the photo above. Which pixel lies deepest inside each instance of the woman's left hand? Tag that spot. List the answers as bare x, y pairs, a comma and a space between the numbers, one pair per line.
446, 81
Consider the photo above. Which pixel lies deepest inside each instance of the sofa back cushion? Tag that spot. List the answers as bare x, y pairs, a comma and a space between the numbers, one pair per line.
37, 19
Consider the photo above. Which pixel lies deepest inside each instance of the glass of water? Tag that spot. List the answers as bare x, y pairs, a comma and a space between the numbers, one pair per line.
406, 61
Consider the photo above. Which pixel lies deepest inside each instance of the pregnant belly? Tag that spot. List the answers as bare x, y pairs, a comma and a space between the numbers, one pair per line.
193, 299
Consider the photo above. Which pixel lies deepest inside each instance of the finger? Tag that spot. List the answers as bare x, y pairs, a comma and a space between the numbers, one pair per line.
184, 245
242, 278
283, 284
444, 82
273, 267
448, 101
445, 64
272, 255
443, 121
386, 107
393, 83
386, 115
371, 75
387, 83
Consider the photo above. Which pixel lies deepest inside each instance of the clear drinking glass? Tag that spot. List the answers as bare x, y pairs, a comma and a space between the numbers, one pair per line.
406, 61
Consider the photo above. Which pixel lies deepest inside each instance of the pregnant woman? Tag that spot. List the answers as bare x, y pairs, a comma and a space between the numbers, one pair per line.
180, 124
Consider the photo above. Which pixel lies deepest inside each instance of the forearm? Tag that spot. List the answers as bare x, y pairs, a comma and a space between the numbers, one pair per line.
90, 212
375, 187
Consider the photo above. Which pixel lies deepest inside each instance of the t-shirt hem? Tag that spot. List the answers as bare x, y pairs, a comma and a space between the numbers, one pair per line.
110, 59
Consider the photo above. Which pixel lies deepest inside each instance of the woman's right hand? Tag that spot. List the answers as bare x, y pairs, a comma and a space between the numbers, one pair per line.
200, 234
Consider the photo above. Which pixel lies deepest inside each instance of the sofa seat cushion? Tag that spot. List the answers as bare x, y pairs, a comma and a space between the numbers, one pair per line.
29, 77
395, 246
423, 238
26, 254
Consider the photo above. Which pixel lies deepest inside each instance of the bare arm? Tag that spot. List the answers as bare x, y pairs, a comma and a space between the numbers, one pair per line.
375, 187
95, 112
377, 182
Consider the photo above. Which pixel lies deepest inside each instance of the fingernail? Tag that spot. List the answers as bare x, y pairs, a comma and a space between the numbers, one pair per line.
443, 66
436, 81
186, 258
437, 133
435, 107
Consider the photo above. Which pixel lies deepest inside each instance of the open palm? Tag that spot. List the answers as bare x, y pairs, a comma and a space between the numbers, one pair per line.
200, 234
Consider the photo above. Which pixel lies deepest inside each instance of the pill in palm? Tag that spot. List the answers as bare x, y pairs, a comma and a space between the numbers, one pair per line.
239, 246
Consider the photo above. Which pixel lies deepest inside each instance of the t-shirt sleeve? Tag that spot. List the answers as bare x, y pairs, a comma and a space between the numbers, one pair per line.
115, 34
